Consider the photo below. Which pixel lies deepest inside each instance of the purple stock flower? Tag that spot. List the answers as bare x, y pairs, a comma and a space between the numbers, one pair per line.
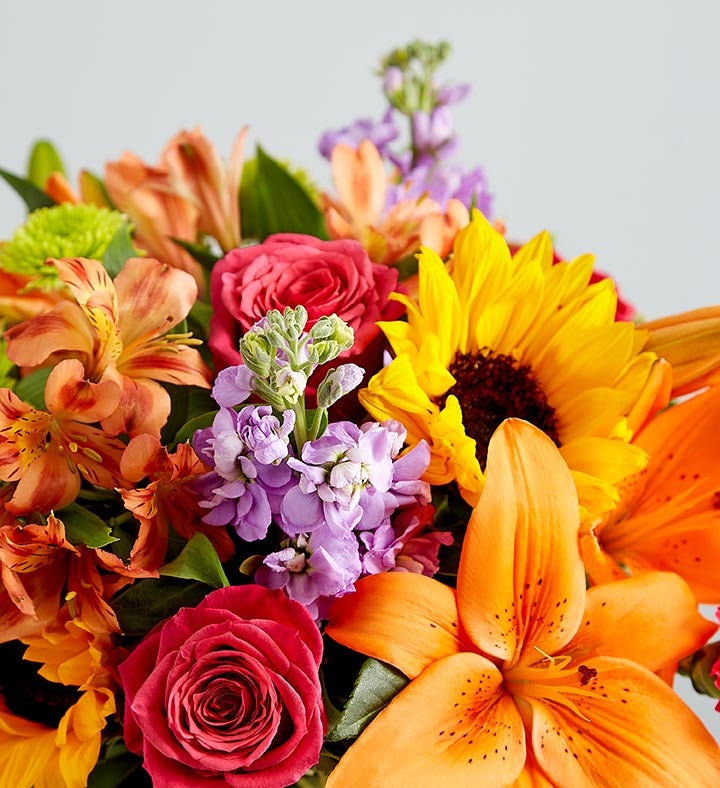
233, 385
432, 133
313, 568
380, 133
245, 451
340, 475
452, 93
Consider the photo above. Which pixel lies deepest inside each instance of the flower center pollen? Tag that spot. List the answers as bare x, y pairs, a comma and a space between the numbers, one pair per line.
492, 387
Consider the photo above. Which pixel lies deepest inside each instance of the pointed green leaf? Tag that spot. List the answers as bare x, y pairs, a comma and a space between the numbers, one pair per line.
44, 160
83, 527
119, 251
197, 561
186, 432
198, 252
377, 684
147, 602
31, 388
272, 200
33, 197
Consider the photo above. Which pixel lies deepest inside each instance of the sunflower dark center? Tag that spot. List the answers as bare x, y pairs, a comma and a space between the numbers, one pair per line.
28, 694
492, 387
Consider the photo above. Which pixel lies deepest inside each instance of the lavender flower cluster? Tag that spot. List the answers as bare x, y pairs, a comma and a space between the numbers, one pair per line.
338, 500
424, 165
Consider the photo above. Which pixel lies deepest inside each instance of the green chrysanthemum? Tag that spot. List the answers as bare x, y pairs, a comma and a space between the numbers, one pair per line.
61, 231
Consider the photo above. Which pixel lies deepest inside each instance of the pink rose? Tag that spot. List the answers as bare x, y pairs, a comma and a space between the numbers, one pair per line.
326, 277
227, 693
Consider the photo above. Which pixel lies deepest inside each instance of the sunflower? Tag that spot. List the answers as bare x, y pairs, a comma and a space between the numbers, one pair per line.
51, 719
497, 336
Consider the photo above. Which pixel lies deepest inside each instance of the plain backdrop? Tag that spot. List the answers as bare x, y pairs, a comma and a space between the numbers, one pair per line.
597, 121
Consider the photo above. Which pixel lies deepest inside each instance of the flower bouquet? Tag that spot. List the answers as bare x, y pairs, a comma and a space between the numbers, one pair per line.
348, 488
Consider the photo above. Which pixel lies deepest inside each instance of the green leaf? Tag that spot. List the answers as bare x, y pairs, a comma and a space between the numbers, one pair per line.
197, 561
147, 602
198, 252
200, 422
44, 160
377, 684
116, 765
272, 200
119, 251
31, 388
199, 318
84, 527
33, 197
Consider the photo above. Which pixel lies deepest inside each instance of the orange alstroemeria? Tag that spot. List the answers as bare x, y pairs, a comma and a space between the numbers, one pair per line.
690, 341
199, 174
18, 303
41, 572
359, 212
158, 213
669, 514
521, 677
46, 453
119, 331
168, 500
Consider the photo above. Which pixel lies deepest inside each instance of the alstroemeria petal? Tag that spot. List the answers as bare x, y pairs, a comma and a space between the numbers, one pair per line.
64, 327
165, 361
153, 298
521, 582
90, 284
68, 392
404, 619
144, 406
452, 726
47, 483
651, 619
637, 732
361, 182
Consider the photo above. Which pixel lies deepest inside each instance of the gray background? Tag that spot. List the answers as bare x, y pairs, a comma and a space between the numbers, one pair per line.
597, 121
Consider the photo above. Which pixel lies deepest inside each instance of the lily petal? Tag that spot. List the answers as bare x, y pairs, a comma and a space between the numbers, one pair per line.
448, 744
401, 618
637, 731
651, 619
530, 595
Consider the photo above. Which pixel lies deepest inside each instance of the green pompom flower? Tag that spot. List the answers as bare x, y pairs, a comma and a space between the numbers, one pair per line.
61, 231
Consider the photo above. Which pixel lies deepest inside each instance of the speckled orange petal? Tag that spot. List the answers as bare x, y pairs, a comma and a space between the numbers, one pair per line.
452, 726
637, 732
674, 516
651, 619
521, 583
404, 619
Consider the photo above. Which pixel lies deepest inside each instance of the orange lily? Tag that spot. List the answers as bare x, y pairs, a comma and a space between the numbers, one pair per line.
168, 499
119, 330
159, 214
198, 174
47, 452
669, 514
521, 677
362, 185
690, 341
